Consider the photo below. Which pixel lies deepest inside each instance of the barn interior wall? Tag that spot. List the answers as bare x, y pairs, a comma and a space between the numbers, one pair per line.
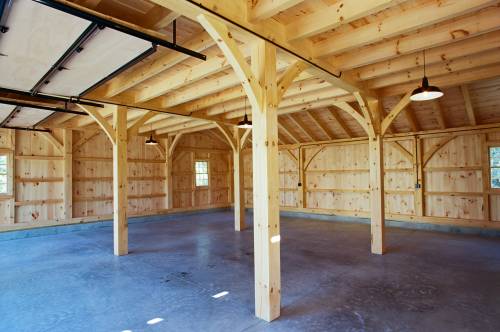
37, 197
435, 178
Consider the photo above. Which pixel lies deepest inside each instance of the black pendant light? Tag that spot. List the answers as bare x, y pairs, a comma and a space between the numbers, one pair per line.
426, 91
151, 140
245, 123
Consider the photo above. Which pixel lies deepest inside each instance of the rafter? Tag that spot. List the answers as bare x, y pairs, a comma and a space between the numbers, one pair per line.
228, 46
468, 105
264, 9
400, 106
438, 113
358, 117
340, 122
303, 128
134, 128
453, 79
334, 16
454, 31
284, 129
427, 14
409, 114
314, 118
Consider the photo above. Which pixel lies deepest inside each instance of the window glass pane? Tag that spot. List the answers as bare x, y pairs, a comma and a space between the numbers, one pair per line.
495, 156
3, 188
201, 169
3, 160
3, 178
3, 169
495, 178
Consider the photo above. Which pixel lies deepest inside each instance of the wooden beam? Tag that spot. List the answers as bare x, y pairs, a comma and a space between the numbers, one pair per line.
101, 121
169, 190
289, 76
264, 9
134, 129
377, 206
120, 185
266, 185
68, 174
228, 46
468, 105
442, 68
400, 106
174, 143
358, 117
454, 32
335, 15
237, 11
367, 113
185, 77
166, 21
238, 180
453, 79
246, 135
229, 135
446, 54
418, 17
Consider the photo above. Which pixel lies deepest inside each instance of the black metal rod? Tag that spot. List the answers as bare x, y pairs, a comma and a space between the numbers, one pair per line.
59, 64
5, 6
120, 27
129, 64
71, 100
27, 129
213, 12
41, 107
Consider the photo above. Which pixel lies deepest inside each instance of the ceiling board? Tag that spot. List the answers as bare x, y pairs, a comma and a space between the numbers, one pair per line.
28, 117
37, 37
104, 53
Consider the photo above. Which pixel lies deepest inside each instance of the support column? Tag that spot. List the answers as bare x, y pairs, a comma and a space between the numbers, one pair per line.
68, 174
376, 147
120, 224
239, 190
12, 177
168, 174
266, 185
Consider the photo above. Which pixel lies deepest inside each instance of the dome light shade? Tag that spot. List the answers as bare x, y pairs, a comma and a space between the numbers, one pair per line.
151, 140
426, 92
245, 123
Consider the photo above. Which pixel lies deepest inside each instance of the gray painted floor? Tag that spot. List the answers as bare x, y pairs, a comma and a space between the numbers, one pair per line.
330, 281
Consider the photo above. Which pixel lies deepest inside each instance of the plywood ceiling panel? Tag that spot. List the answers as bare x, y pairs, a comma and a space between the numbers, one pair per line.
28, 117
37, 37
104, 53
5, 110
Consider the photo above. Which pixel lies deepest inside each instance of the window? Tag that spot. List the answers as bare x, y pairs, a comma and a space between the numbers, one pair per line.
3, 175
495, 167
201, 169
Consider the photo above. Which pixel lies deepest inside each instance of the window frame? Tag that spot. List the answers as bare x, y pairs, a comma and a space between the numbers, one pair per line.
10, 166
490, 167
208, 173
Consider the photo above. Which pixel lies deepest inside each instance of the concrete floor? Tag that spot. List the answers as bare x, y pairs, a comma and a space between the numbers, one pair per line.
330, 281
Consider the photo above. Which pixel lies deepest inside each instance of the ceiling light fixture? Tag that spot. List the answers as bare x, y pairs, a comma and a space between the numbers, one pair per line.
151, 140
426, 91
245, 123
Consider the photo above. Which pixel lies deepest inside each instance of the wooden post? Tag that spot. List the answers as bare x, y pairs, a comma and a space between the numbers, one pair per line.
376, 147
302, 179
68, 174
419, 172
120, 224
266, 185
12, 177
239, 190
168, 174
485, 162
